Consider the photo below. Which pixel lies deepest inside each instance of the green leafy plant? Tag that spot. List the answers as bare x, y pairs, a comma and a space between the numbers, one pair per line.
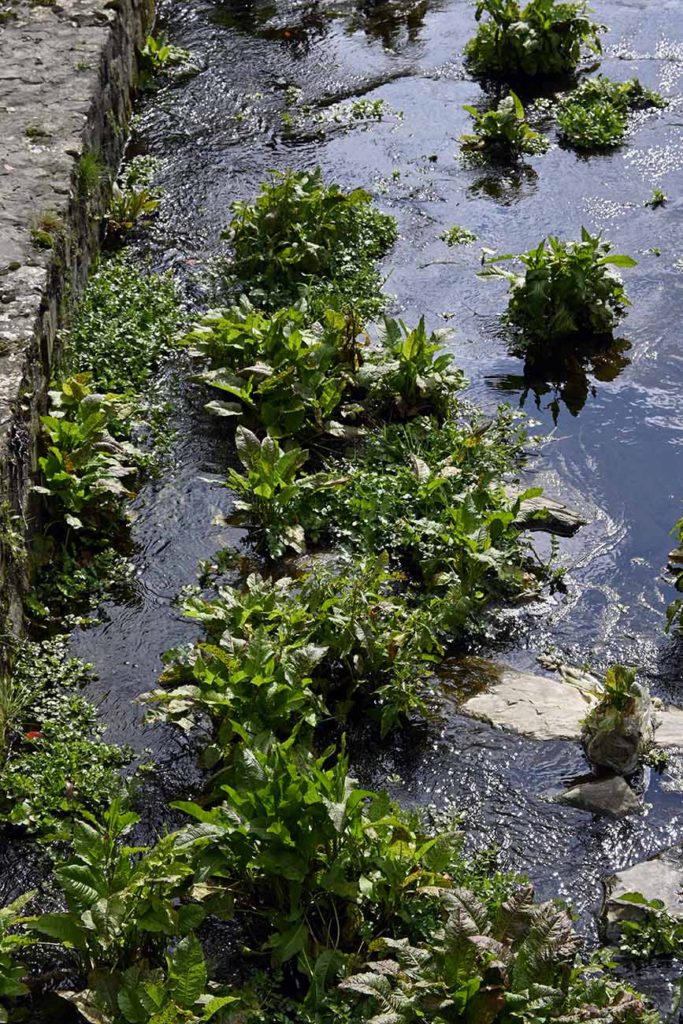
503, 131
124, 905
458, 236
322, 863
54, 762
288, 377
674, 613
90, 174
646, 928
270, 491
157, 55
301, 238
619, 730
567, 288
12, 940
410, 374
123, 324
128, 206
657, 199
544, 37
595, 115
85, 466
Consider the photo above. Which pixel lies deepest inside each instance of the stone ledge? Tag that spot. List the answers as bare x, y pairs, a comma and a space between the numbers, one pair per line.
67, 72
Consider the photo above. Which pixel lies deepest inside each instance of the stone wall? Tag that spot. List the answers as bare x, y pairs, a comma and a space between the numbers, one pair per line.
67, 71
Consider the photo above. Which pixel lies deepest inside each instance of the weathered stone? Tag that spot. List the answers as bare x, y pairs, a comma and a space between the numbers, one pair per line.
669, 727
67, 73
546, 514
611, 795
661, 878
547, 709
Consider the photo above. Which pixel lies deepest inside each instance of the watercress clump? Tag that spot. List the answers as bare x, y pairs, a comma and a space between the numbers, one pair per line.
566, 289
504, 131
595, 115
544, 37
302, 238
53, 761
124, 322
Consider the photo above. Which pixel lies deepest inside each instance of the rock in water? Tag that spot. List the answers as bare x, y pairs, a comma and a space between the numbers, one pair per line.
611, 795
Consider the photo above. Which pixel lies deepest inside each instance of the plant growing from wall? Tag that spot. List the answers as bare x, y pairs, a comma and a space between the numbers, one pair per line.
503, 132
543, 37
566, 289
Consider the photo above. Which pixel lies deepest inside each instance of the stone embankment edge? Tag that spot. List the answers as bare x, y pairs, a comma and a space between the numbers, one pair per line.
68, 71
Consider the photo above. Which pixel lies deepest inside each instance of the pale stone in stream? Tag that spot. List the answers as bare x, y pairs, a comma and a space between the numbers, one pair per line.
537, 706
611, 796
669, 731
659, 878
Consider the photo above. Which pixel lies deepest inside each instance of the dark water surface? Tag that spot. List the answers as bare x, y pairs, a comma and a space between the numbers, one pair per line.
616, 434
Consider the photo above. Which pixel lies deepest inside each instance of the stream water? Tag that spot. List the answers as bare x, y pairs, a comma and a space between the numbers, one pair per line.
614, 436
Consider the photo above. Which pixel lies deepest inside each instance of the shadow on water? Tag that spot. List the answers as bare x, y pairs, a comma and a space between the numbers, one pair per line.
565, 379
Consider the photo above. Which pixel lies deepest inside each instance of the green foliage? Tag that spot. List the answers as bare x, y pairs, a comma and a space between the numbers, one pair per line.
657, 199
650, 931
301, 238
503, 131
595, 115
270, 493
288, 376
123, 324
324, 863
410, 374
91, 173
567, 289
130, 205
285, 653
157, 55
123, 902
12, 941
674, 613
54, 763
458, 235
545, 37
85, 466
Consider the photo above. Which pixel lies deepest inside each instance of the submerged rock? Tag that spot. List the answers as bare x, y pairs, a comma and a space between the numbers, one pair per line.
661, 878
611, 795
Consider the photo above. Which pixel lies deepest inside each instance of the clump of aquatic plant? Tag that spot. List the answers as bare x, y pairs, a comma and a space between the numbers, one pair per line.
619, 730
503, 131
85, 467
595, 115
302, 238
657, 199
566, 289
543, 37
646, 928
278, 371
54, 762
286, 652
128, 206
271, 492
410, 374
13, 939
123, 323
458, 235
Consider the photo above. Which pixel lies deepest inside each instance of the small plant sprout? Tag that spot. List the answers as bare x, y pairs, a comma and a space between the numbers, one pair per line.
91, 173
457, 236
157, 54
657, 199
545, 37
566, 289
503, 131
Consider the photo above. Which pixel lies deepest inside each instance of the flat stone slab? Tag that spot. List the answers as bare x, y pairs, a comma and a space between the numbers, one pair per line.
660, 878
537, 706
612, 796
542, 707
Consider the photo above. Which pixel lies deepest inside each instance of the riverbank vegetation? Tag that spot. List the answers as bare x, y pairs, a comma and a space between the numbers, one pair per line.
384, 521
